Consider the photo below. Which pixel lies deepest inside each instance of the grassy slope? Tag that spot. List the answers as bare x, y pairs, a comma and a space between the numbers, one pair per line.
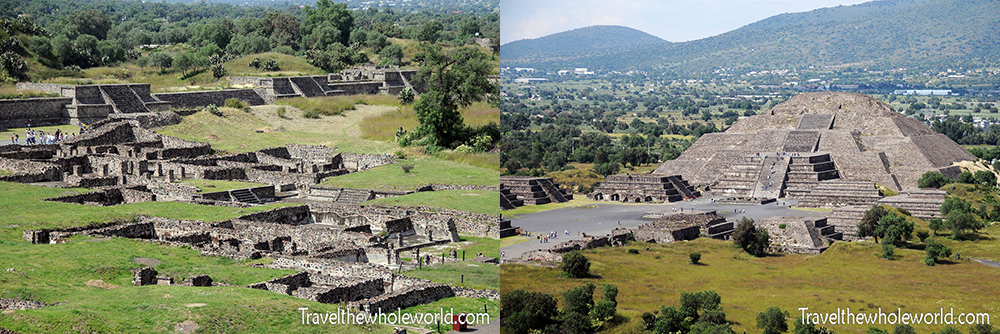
383, 126
466, 200
289, 65
426, 170
846, 275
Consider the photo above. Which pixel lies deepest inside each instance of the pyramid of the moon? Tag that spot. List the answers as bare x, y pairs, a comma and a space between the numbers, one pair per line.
834, 137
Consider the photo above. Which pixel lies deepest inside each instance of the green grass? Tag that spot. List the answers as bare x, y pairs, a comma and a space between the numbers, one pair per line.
22, 207
383, 126
426, 170
456, 305
237, 130
209, 186
5, 172
477, 275
326, 106
483, 160
478, 201
289, 65
847, 275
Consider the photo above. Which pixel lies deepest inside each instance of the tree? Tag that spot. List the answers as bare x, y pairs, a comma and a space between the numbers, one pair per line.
752, 239
803, 326
894, 229
468, 27
949, 330
983, 329
966, 177
904, 329
936, 250
577, 304
405, 95
453, 80
161, 60
429, 31
576, 265
870, 221
932, 179
391, 55
248, 44
986, 178
13, 66
333, 17
184, 61
954, 204
772, 321
960, 221
90, 22
524, 311
607, 168
935, 225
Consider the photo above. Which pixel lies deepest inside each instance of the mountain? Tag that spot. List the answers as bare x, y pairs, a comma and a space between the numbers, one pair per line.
878, 34
569, 46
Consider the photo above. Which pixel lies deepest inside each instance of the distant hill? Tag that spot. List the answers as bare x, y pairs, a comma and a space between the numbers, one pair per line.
579, 44
877, 34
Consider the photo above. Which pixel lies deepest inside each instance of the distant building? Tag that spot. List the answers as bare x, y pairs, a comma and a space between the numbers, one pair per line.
563, 72
530, 80
582, 71
923, 92
524, 69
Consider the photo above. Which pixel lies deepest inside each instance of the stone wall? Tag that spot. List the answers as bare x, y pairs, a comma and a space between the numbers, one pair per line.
362, 161
292, 215
15, 113
204, 98
17, 304
416, 295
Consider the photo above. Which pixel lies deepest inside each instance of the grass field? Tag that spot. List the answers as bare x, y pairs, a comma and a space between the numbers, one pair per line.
477, 275
478, 201
208, 186
426, 170
383, 126
847, 275
237, 130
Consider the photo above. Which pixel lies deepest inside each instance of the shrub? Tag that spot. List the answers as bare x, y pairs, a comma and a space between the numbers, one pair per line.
406, 96
432, 149
633, 251
255, 63
313, 114
922, 235
465, 149
406, 168
932, 180
695, 257
782, 226
271, 65
235, 103
400, 154
214, 110
575, 265
281, 112
888, 251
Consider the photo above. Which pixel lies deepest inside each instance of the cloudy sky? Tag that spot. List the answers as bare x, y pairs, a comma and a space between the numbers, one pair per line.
672, 20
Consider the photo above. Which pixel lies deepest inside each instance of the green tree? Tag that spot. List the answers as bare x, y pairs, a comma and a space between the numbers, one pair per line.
524, 311
576, 265
954, 204
184, 61
959, 222
949, 330
90, 22
772, 321
405, 95
966, 177
468, 27
391, 55
453, 80
429, 31
869, 223
13, 66
986, 178
248, 44
983, 329
935, 250
904, 329
745, 232
894, 229
936, 224
932, 179
161, 60
335, 18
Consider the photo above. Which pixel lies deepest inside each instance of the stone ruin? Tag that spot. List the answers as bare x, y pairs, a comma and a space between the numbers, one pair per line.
362, 80
865, 140
517, 191
799, 235
643, 188
921, 203
668, 227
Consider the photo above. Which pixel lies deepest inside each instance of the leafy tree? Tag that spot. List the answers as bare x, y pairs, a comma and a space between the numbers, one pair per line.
752, 239
184, 61
607, 168
248, 44
894, 229
959, 222
576, 265
13, 66
468, 27
524, 311
888, 251
453, 80
922, 235
709, 328
954, 204
772, 321
695, 257
576, 323
986, 178
966, 177
935, 225
335, 58
932, 179
161, 60
405, 95
391, 55
983, 329
949, 330
869, 223
334, 18
429, 31
803, 326
90, 22
936, 250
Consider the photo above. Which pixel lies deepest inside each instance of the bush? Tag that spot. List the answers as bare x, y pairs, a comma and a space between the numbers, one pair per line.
575, 265
695, 257
285, 49
406, 168
932, 180
312, 114
271, 65
633, 251
235, 103
922, 235
888, 251
255, 63
281, 112
432, 149
936, 250
406, 96
214, 110
772, 321
782, 226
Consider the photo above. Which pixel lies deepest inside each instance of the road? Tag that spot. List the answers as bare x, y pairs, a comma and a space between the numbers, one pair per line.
600, 219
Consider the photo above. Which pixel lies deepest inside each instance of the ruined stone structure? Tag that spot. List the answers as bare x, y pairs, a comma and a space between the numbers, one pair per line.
363, 80
709, 224
521, 190
834, 193
865, 140
921, 203
643, 188
798, 234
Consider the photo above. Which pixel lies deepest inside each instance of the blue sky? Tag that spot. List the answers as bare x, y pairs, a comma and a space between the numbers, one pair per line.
672, 20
